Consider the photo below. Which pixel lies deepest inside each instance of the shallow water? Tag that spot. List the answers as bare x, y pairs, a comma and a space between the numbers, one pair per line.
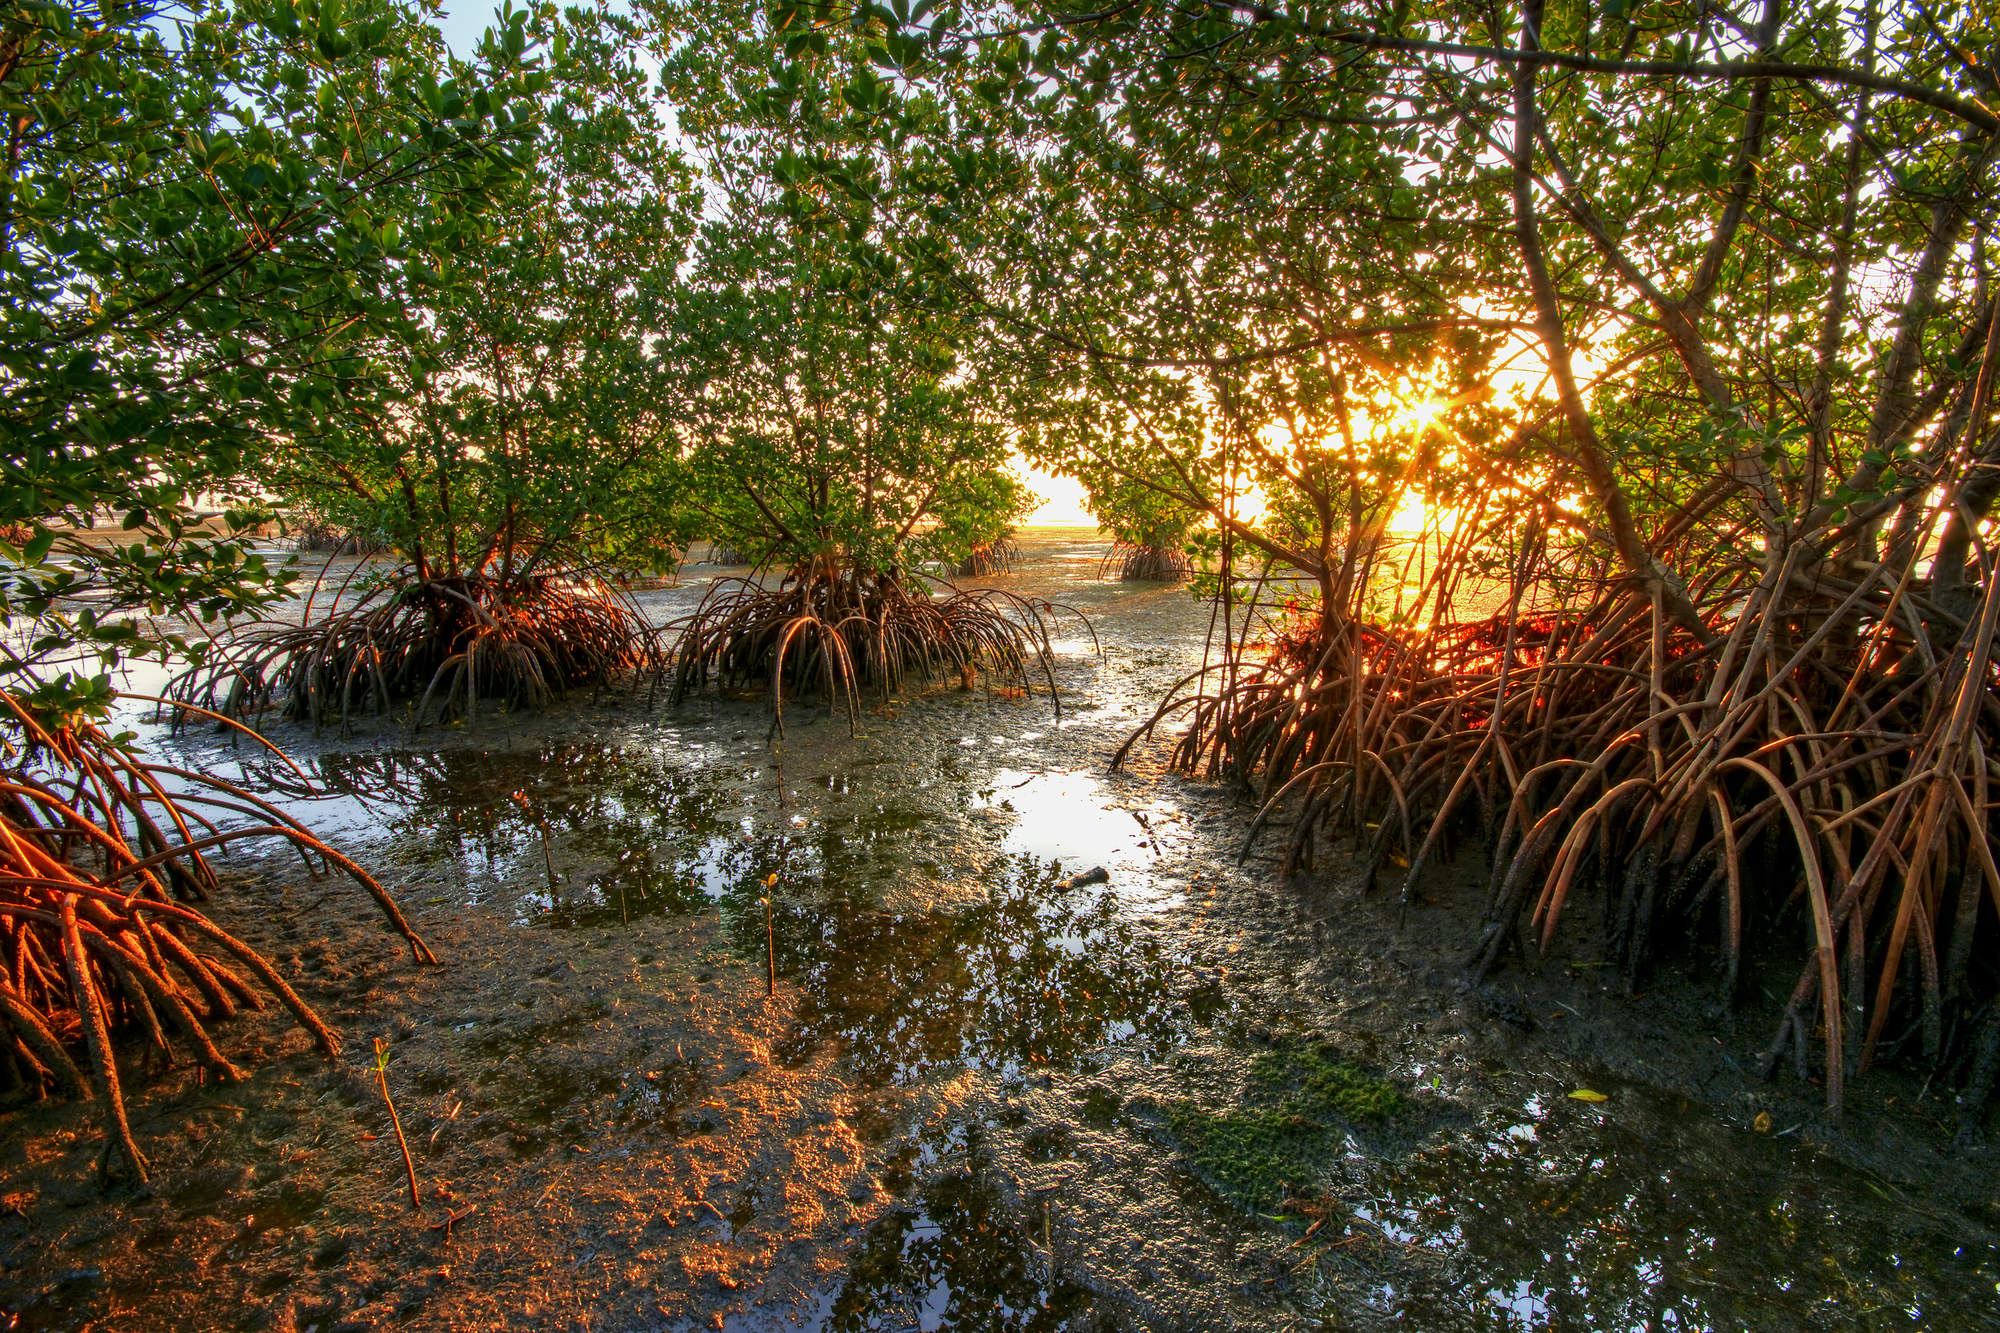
922, 925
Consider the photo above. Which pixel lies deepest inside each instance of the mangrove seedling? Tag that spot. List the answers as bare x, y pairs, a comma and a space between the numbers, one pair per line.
770, 941
395, 1121
541, 827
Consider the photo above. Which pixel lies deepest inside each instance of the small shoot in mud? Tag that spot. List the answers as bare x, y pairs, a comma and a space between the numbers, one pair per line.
396, 1121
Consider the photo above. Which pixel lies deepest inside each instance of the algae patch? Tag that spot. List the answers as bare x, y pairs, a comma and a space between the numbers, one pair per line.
1299, 1103
1253, 1158
1311, 1079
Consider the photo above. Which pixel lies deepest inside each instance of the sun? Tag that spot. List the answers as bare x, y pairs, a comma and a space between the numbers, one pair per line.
1424, 415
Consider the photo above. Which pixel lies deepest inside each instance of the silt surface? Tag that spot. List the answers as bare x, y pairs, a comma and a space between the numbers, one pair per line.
933, 1085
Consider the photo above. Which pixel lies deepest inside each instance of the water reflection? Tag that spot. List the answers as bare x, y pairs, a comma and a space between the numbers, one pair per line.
1064, 815
1020, 976
1642, 1217
1629, 1216
957, 1261
1564, 1216
597, 835
1031, 977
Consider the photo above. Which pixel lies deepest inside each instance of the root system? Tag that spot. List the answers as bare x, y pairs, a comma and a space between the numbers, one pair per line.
832, 631
324, 538
1805, 769
101, 857
1148, 564
442, 644
990, 558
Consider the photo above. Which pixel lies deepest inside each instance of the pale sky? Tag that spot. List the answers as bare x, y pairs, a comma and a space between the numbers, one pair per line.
1062, 498
462, 21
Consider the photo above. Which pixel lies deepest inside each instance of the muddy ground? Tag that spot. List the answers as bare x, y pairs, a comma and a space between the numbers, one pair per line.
1193, 1097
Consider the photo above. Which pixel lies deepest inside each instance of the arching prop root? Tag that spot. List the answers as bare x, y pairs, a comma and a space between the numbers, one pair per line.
101, 857
990, 558
1811, 775
1147, 564
833, 632
432, 642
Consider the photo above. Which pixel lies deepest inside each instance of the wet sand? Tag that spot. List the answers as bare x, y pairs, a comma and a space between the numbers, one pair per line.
1192, 1097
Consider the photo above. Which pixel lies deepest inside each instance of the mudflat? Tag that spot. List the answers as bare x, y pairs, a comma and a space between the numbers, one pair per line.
980, 1094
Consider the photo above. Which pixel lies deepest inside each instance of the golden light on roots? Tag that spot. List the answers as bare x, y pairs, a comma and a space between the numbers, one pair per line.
1805, 752
102, 858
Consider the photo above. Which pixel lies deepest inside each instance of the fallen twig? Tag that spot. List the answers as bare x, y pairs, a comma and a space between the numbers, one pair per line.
452, 1219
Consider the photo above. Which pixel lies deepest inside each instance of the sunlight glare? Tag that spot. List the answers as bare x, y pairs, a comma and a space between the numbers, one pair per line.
1062, 501
1422, 416
1413, 516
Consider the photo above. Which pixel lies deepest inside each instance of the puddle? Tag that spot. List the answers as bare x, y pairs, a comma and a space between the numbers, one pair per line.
567, 835
1029, 978
955, 1262
1642, 1216
953, 1254
1078, 821
1628, 1218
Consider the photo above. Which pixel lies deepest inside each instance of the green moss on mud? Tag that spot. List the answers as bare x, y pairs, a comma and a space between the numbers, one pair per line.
1300, 1099
1252, 1157
1312, 1080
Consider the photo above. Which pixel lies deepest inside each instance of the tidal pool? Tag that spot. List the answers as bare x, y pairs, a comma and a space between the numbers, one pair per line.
979, 1096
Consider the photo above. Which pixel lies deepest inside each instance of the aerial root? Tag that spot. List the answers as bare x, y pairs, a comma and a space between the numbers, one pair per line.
1137, 563
990, 558
410, 640
831, 631
101, 857
1819, 762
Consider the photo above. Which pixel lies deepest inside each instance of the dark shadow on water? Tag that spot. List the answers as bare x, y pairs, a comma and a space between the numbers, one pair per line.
1030, 977
954, 1258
